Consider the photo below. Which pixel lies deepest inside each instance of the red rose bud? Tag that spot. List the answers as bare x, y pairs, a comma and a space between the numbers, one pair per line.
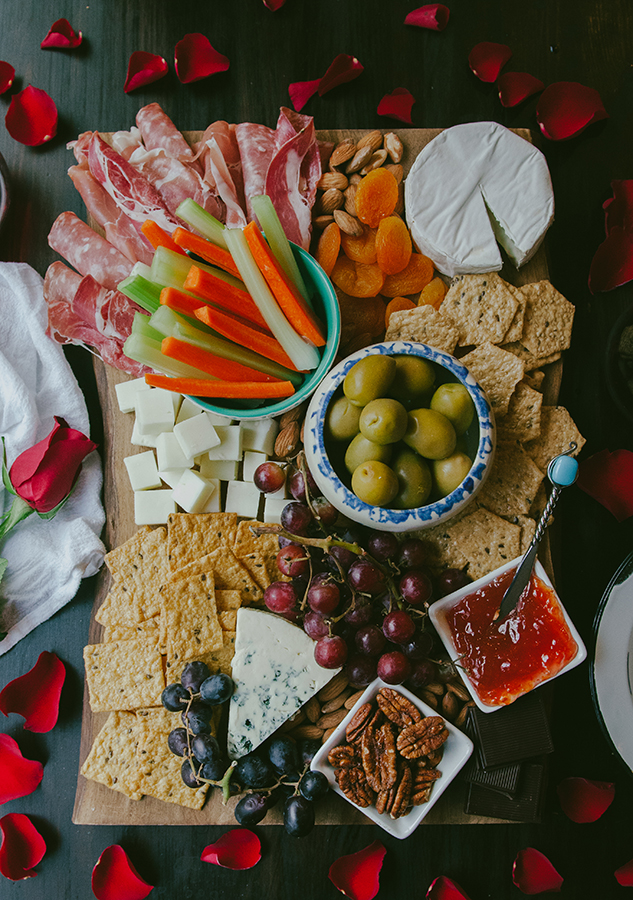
44, 475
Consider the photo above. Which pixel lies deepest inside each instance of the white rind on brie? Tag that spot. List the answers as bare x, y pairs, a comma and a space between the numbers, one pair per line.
275, 673
475, 185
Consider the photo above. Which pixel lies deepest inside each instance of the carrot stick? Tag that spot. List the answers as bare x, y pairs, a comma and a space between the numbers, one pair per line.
209, 287
187, 305
211, 252
199, 387
202, 359
158, 237
235, 331
285, 292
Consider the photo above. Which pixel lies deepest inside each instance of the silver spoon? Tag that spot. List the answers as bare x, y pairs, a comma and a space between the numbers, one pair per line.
562, 471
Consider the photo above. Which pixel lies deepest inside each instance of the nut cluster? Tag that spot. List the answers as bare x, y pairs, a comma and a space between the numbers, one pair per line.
318, 718
349, 163
450, 698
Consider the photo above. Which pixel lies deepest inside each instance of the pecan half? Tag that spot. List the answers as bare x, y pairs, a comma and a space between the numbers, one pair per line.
358, 723
397, 800
378, 755
397, 708
354, 785
343, 757
422, 737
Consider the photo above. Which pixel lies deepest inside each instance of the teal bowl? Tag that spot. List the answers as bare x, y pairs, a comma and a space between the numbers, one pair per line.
327, 309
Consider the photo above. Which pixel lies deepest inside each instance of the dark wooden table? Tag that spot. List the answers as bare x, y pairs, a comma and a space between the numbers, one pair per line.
557, 40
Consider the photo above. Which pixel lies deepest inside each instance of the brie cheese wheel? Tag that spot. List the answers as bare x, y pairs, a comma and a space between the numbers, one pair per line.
475, 185
275, 673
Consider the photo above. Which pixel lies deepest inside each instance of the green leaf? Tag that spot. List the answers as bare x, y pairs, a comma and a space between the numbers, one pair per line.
5, 473
3, 568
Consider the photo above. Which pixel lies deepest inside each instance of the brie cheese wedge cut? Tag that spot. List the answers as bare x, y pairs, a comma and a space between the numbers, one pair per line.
473, 187
275, 673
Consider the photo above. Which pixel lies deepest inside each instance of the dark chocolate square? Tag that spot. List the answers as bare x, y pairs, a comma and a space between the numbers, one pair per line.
524, 807
518, 731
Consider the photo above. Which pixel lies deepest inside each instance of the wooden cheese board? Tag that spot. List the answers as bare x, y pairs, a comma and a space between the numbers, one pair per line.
96, 804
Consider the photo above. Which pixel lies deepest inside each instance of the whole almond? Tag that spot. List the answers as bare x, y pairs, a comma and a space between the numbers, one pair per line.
313, 709
435, 688
400, 202
332, 719
321, 222
460, 718
450, 705
342, 152
297, 719
334, 687
332, 180
360, 159
330, 200
396, 170
303, 425
459, 690
336, 702
375, 162
348, 223
327, 734
293, 415
353, 700
312, 732
355, 179
429, 698
350, 200
287, 441
393, 146
372, 139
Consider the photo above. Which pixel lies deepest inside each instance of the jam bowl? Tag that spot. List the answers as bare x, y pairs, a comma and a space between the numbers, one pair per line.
501, 661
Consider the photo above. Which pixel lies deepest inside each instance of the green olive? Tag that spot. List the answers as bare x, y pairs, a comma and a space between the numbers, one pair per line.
373, 482
383, 421
414, 380
360, 450
453, 401
414, 480
430, 433
342, 420
450, 472
369, 378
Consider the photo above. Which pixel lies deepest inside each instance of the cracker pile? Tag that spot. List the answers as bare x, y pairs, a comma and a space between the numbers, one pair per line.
174, 597
504, 335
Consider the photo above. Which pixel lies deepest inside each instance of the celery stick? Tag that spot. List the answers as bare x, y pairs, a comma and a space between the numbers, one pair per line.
147, 352
208, 226
164, 321
303, 355
141, 325
145, 293
277, 240
140, 268
170, 268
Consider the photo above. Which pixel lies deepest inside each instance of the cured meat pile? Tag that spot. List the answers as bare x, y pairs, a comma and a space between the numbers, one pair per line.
145, 174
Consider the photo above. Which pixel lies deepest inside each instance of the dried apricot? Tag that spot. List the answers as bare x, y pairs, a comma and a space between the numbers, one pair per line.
395, 305
357, 279
376, 197
433, 293
328, 247
393, 245
415, 276
360, 248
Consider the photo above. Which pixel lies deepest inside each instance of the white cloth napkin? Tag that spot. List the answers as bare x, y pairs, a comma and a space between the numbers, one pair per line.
46, 558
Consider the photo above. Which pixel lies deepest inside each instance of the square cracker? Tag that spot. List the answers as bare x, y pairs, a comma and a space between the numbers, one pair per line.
228, 619
112, 758
217, 660
558, 431
227, 600
159, 768
425, 325
124, 674
258, 553
149, 628
189, 617
487, 541
534, 379
515, 330
119, 608
139, 566
522, 422
444, 552
548, 319
513, 482
497, 371
482, 308
191, 536
530, 361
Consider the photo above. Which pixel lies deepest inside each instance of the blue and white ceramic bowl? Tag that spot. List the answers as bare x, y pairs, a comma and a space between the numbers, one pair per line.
480, 435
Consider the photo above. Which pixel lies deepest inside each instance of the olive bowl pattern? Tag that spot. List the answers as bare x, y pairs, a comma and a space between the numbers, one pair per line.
381, 518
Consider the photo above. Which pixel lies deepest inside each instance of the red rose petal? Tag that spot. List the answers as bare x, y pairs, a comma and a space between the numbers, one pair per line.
608, 478
32, 117
397, 105
301, 91
618, 210
61, 36
18, 776
36, 694
22, 847
612, 265
584, 800
433, 16
144, 68
487, 59
566, 108
533, 873
343, 68
624, 875
195, 58
7, 74
274, 4
515, 87
115, 878
357, 875
237, 849
444, 888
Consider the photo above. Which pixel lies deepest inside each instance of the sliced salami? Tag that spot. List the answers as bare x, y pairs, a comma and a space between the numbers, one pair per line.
256, 145
235, 215
87, 251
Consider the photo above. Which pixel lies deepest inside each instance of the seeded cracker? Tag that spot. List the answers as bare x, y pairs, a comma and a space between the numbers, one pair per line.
558, 430
112, 759
444, 551
481, 306
497, 371
149, 629
217, 661
190, 617
522, 422
515, 330
534, 379
548, 320
124, 674
529, 360
487, 541
228, 619
425, 325
512, 483
159, 767
119, 608
139, 566
191, 536
227, 600
256, 551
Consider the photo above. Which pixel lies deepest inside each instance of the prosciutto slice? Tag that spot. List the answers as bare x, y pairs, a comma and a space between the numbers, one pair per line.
235, 215
256, 145
160, 133
230, 186
126, 142
87, 251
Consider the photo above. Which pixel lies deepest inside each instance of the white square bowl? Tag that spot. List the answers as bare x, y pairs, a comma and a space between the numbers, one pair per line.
457, 750
437, 613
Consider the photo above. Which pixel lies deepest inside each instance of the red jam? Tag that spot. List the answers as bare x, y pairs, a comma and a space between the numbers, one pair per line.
508, 658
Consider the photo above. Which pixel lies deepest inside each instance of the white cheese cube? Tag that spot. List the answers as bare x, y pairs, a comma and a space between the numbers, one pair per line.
192, 492
153, 507
126, 393
216, 419
214, 503
142, 440
281, 494
188, 409
242, 498
142, 471
169, 452
230, 446
176, 399
155, 411
224, 469
260, 435
252, 459
196, 435
171, 476
273, 509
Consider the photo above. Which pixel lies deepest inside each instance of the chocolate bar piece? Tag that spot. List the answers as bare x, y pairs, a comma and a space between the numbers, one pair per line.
504, 779
524, 807
516, 732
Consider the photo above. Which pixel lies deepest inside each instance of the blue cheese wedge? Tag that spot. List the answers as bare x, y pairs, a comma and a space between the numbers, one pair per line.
473, 187
275, 673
